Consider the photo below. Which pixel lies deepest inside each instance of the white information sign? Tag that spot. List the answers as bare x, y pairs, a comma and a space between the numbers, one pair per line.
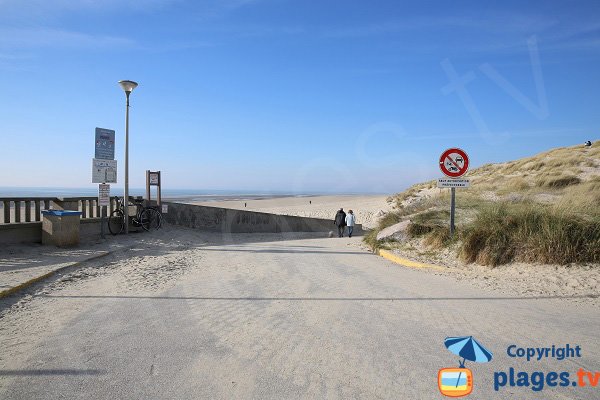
165, 208
104, 171
103, 195
452, 183
153, 178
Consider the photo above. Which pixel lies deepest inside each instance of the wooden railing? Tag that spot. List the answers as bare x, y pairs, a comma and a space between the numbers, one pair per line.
29, 209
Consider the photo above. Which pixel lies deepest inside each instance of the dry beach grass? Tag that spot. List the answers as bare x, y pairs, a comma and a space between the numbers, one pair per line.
538, 218
539, 209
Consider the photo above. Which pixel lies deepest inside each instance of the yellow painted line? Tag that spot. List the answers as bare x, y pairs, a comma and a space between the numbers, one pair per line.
406, 262
24, 285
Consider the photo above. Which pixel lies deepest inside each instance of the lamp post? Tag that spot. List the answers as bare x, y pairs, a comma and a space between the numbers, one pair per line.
128, 87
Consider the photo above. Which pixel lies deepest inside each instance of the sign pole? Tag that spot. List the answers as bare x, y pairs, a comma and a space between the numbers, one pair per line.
102, 221
103, 202
452, 208
104, 170
453, 163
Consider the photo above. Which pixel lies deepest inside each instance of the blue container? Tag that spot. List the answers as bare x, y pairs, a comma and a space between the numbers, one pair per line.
61, 213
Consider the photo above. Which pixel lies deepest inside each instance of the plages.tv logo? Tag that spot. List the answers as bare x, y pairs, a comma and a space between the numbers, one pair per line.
458, 382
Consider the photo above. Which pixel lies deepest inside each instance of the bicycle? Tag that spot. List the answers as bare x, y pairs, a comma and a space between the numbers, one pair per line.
146, 217
156, 217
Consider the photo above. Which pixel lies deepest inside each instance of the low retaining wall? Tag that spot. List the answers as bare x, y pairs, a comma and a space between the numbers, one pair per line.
24, 232
215, 219
31, 232
227, 220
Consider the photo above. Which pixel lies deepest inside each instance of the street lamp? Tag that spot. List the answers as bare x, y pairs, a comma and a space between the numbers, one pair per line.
128, 87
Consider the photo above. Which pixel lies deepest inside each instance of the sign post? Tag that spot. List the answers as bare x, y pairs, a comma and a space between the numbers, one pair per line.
103, 202
452, 208
153, 179
454, 163
104, 170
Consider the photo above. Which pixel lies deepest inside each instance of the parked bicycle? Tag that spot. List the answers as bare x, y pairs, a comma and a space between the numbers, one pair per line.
155, 223
146, 217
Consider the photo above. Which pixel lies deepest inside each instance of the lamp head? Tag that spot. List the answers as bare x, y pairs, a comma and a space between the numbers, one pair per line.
128, 86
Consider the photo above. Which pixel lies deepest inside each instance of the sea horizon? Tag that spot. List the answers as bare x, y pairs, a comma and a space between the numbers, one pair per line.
167, 194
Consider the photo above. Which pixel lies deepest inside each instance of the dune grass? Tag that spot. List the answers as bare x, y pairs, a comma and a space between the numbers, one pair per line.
507, 232
582, 199
503, 232
544, 208
557, 182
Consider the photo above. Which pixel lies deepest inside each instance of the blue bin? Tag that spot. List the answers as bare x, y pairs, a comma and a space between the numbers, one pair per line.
61, 213
60, 227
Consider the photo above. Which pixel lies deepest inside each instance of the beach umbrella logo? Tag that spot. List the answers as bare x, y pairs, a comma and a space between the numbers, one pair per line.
458, 382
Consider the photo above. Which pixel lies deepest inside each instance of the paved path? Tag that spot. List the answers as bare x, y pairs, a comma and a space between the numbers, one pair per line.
307, 318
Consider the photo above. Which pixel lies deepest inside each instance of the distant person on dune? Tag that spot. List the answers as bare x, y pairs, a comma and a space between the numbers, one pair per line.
350, 219
340, 221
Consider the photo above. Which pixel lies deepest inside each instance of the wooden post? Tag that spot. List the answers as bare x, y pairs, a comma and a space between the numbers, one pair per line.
148, 186
158, 190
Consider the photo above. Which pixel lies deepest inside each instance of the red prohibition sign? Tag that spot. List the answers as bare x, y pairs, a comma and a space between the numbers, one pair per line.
454, 162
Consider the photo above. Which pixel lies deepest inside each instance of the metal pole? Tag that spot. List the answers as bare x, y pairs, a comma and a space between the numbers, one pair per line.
126, 199
452, 206
102, 221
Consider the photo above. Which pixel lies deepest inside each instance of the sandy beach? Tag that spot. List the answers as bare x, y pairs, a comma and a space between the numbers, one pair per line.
367, 208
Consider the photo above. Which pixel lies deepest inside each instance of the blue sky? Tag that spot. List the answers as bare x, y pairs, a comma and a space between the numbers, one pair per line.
306, 96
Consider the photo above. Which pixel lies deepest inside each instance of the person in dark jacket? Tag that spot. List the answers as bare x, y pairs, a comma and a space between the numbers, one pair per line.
340, 221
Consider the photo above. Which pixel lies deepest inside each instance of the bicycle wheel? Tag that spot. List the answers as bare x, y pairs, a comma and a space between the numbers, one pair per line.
145, 219
150, 219
116, 222
158, 224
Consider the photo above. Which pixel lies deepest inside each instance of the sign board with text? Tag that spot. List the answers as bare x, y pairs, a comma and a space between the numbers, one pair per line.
452, 183
104, 171
154, 178
103, 195
105, 144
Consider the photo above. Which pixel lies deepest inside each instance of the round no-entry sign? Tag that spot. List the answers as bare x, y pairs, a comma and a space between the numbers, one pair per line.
454, 162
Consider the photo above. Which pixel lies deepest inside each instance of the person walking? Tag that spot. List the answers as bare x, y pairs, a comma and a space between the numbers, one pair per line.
350, 220
340, 221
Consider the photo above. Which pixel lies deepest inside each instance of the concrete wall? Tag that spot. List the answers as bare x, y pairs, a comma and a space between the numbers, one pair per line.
31, 232
240, 221
24, 232
223, 220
